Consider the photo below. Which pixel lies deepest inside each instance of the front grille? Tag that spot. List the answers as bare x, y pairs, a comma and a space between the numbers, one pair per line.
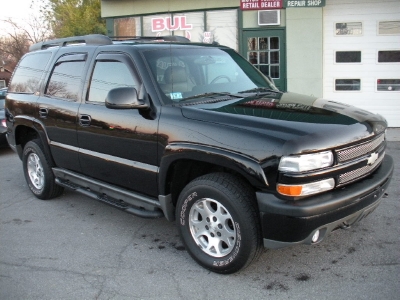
359, 173
346, 154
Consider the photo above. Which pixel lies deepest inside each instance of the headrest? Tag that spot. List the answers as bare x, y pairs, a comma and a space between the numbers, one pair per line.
175, 74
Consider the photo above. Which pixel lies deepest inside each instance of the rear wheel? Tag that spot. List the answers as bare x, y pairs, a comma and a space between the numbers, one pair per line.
38, 173
218, 222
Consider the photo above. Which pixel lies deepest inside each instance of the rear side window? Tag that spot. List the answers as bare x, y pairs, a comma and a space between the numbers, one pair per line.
26, 78
66, 78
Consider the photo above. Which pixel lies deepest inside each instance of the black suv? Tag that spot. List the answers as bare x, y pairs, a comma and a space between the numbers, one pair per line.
194, 133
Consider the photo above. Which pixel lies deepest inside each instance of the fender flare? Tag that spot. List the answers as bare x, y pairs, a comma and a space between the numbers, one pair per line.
35, 125
246, 166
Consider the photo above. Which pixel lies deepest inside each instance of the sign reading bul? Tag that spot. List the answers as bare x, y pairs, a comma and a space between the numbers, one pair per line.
304, 3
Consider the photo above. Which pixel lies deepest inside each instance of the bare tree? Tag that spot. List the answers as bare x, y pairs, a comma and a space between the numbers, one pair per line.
16, 41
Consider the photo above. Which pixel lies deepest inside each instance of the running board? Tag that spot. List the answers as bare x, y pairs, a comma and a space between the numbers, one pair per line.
117, 197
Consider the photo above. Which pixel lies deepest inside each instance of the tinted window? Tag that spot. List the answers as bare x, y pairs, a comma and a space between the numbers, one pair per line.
108, 75
347, 85
389, 56
348, 56
65, 80
27, 76
388, 85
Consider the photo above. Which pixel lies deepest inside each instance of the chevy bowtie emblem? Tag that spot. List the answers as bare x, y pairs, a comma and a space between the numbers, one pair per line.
372, 159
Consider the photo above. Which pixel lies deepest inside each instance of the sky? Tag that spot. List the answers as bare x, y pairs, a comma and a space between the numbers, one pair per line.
18, 10
15, 9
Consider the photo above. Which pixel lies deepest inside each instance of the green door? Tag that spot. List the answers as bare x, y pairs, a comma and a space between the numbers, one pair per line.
265, 49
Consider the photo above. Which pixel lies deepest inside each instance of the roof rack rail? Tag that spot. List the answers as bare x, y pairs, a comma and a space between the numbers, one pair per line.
167, 38
90, 39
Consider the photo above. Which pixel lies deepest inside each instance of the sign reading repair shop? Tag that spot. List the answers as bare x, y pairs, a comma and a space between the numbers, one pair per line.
304, 3
260, 4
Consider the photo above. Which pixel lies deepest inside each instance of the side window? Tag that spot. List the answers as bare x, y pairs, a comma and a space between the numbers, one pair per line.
26, 78
106, 76
65, 80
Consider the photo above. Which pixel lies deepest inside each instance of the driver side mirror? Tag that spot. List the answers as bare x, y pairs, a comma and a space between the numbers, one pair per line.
124, 98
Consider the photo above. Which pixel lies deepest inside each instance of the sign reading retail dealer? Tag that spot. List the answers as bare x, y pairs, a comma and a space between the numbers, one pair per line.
304, 3
178, 23
260, 4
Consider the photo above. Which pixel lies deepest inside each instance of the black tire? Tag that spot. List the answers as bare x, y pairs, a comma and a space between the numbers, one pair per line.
218, 222
38, 173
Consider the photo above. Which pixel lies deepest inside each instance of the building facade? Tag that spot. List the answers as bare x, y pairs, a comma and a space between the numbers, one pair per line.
344, 50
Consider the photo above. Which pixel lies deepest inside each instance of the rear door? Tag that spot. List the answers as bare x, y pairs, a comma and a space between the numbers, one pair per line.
117, 146
58, 108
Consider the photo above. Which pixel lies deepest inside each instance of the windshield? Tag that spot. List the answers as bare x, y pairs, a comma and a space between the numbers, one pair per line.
184, 73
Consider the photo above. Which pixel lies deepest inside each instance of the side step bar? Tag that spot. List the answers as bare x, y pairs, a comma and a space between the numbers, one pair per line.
117, 197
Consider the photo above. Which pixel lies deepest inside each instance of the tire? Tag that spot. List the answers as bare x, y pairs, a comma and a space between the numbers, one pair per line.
218, 222
38, 173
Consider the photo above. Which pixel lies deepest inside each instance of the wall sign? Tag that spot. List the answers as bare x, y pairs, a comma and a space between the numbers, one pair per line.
304, 3
260, 4
178, 23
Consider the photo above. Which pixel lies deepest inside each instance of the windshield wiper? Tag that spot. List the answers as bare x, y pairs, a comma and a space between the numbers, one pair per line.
212, 95
259, 90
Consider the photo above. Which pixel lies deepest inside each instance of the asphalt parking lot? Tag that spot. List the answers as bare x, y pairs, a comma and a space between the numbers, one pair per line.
73, 247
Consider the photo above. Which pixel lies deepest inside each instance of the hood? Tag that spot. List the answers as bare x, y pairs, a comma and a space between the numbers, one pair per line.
303, 123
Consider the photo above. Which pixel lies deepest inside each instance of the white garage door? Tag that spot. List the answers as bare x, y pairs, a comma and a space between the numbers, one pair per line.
362, 55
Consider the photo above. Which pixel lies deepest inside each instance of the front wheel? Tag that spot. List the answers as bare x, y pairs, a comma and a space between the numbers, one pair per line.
38, 173
218, 222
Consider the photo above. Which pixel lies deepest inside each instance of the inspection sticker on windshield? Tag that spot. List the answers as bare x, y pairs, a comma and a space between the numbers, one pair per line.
175, 95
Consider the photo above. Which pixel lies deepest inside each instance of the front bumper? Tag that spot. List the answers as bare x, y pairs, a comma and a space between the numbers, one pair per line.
285, 223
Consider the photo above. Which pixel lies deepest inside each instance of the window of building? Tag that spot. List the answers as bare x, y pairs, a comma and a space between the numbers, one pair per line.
65, 80
348, 29
223, 25
191, 25
27, 76
106, 76
263, 53
347, 84
390, 56
389, 28
219, 26
388, 85
348, 57
2, 84
127, 27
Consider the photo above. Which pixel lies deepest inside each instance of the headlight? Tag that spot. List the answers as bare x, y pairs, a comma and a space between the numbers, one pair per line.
306, 162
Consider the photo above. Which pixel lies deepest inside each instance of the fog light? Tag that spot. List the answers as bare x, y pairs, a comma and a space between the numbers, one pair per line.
315, 237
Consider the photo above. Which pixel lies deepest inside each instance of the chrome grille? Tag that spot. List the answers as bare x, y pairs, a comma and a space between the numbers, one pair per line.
359, 173
352, 152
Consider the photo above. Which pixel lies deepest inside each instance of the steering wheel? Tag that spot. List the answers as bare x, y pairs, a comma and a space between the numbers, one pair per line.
220, 77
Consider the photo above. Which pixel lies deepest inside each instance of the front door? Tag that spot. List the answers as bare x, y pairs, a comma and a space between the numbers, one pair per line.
265, 49
117, 146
